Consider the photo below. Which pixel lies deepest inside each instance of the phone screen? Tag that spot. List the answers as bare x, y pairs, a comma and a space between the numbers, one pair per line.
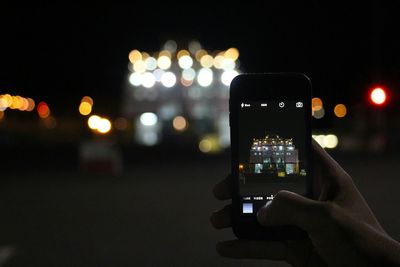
272, 151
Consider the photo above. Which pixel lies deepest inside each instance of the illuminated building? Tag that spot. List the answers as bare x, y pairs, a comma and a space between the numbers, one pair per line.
180, 82
273, 155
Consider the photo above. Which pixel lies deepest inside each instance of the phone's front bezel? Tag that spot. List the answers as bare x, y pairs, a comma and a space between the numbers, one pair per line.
266, 87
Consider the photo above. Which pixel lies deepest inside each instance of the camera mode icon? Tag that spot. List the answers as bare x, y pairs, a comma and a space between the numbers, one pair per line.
281, 104
299, 104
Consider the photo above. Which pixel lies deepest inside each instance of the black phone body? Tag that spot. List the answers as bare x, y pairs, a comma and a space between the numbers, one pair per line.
270, 124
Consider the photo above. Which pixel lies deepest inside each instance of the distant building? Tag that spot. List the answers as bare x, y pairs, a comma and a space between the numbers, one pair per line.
273, 155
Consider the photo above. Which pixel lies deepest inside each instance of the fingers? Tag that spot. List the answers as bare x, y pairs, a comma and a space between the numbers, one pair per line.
289, 208
252, 249
223, 190
222, 218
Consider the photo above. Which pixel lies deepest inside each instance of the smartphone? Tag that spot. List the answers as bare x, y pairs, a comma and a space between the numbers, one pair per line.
270, 124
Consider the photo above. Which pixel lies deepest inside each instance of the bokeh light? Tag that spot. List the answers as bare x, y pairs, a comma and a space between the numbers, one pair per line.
43, 110
378, 96
85, 108
205, 77
340, 110
164, 62
227, 76
148, 119
316, 104
232, 53
168, 79
134, 56
93, 122
207, 61
179, 123
104, 126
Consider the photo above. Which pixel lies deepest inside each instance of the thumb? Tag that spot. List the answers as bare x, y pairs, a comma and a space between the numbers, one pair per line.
288, 208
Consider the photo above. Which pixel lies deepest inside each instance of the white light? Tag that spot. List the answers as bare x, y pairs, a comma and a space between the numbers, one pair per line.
151, 63
228, 64
93, 122
148, 119
185, 62
205, 77
139, 66
135, 79
227, 76
330, 141
189, 74
164, 62
158, 73
148, 79
104, 125
149, 138
168, 79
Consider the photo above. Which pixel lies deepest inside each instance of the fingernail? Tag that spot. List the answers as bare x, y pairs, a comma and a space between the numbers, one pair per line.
262, 212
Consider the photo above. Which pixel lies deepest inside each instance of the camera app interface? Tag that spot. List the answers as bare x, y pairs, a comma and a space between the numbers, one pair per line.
272, 151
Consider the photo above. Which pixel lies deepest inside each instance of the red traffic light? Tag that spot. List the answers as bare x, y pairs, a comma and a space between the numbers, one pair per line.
378, 96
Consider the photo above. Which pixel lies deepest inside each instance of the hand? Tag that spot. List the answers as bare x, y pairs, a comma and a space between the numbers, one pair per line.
342, 229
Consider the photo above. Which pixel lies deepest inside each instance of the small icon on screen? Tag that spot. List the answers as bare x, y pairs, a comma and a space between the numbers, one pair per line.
264, 104
299, 104
242, 105
247, 208
281, 104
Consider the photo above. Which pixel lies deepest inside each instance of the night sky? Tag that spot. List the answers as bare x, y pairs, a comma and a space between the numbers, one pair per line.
59, 53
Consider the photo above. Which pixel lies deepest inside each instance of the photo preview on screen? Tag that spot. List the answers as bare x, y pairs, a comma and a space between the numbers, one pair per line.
272, 154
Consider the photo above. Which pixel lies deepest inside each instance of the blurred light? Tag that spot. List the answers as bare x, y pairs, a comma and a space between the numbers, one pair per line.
148, 79
228, 64
331, 141
200, 53
3, 103
227, 76
326, 141
182, 53
121, 124
135, 79
1, 115
158, 73
43, 110
232, 53
149, 138
168, 79
219, 62
207, 61
24, 104
205, 77
319, 114
165, 53
145, 56
104, 125
189, 74
316, 104
8, 99
340, 110
148, 119
186, 83
85, 108
93, 122
209, 144
171, 46
185, 62
378, 96
205, 146
194, 46
151, 63
134, 56
16, 102
164, 62
87, 99
31, 104
139, 66
179, 123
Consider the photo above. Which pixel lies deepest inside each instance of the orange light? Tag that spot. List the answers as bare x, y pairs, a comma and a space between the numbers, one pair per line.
241, 167
316, 104
378, 96
31, 104
179, 123
340, 110
43, 110
87, 99
85, 108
